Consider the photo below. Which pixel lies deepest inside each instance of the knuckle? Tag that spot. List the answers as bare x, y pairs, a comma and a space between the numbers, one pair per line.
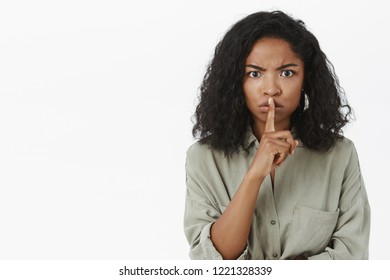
268, 145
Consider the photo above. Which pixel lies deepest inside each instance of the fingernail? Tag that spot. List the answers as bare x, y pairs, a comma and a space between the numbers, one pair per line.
269, 101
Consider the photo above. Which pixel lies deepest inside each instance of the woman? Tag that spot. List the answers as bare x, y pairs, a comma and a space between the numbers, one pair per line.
271, 176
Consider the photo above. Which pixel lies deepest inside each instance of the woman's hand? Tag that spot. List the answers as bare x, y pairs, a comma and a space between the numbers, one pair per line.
274, 146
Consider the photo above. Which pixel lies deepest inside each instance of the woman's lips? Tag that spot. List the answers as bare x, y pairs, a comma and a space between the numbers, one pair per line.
264, 107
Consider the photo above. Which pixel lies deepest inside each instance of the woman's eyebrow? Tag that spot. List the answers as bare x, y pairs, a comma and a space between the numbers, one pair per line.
255, 67
286, 66
279, 68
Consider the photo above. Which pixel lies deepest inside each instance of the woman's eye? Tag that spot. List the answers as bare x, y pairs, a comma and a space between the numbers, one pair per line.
254, 74
287, 73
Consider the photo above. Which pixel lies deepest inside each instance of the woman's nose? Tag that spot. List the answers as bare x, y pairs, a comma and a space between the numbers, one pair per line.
272, 91
271, 87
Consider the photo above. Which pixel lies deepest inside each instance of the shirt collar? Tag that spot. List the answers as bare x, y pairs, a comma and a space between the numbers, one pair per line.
250, 138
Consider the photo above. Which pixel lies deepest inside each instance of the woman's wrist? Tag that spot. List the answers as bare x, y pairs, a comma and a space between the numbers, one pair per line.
254, 177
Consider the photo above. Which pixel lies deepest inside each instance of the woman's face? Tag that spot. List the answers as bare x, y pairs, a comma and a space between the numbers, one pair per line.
272, 69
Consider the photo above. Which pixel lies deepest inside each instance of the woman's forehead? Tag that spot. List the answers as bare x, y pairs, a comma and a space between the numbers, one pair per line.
272, 51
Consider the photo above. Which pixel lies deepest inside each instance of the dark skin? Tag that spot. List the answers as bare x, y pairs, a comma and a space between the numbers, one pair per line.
274, 73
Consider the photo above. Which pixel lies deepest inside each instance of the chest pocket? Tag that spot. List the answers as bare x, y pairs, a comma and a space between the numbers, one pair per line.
311, 230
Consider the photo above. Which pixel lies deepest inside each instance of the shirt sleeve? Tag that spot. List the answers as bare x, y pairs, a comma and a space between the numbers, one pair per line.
350, 239
201, 211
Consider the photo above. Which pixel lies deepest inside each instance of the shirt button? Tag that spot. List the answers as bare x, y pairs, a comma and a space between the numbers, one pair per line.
273, 222
274, 255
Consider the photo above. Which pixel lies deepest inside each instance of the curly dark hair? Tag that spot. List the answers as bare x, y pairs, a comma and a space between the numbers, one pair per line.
222, 117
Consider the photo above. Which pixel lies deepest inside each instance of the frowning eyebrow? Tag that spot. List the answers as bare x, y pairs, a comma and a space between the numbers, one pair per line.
279, 68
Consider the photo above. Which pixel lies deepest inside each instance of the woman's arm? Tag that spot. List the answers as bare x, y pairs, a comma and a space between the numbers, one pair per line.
215, 232
230, 232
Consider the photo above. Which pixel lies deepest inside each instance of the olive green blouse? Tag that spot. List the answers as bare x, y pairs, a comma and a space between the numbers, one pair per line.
318, 207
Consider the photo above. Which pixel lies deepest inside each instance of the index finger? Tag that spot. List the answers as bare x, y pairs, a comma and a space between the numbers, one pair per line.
270, 124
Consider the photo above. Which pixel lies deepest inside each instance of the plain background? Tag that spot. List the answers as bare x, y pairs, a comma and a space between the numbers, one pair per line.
95, 105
